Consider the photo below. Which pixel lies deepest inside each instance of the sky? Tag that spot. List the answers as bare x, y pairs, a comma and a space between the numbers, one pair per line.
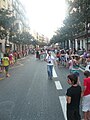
45, 16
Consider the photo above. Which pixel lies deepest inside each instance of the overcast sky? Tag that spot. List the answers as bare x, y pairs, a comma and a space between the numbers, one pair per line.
45, 16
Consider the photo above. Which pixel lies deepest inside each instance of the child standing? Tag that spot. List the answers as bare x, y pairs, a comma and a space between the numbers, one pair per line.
73, 96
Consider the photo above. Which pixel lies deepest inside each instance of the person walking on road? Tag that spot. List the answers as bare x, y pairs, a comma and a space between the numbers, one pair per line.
50, 62
73, 96
1, 56
86, 96
6, 62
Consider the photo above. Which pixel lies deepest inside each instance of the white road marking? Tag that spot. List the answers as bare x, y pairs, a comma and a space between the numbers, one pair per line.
54, 73
58, 85
63, 105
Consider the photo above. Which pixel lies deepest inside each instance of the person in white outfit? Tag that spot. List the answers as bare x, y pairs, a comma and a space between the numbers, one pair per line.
50, 62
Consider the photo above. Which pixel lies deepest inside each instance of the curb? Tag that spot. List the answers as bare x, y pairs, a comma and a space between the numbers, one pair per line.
2, 78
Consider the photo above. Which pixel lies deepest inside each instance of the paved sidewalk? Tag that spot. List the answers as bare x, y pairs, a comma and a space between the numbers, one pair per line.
16, 64
2, 74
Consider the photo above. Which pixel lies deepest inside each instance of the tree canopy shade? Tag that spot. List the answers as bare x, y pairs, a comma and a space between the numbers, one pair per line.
7, 27
23, 38
75, 23
6, 19
6, 23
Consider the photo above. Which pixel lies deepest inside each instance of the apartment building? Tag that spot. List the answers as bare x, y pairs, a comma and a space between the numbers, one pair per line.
4, 4
21, 22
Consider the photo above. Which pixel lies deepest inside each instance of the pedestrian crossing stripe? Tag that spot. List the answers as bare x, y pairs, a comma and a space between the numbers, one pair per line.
63, 105
58, 85
54, 73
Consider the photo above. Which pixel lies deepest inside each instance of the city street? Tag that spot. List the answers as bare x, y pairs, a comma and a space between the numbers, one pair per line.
28, 94
33, 34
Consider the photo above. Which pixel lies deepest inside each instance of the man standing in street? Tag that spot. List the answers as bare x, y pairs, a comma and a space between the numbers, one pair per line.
73, 96
50, 62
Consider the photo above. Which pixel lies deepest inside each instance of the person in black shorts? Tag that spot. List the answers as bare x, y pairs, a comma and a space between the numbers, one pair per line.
73, 96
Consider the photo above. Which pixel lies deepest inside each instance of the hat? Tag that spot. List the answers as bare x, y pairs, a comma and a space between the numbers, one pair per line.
87, 68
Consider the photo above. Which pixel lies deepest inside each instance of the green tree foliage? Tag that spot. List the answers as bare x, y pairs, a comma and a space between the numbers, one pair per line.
6, 19
75, 22
6, 22
24, 38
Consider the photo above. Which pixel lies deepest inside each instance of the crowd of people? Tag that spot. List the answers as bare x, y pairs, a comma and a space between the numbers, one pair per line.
76, 94
8, 59
69, 59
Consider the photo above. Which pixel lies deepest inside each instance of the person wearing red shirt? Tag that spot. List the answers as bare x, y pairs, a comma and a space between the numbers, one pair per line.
58, 58
86, 96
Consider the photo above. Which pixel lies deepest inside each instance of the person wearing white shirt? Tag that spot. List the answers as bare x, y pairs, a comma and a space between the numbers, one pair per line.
50, 62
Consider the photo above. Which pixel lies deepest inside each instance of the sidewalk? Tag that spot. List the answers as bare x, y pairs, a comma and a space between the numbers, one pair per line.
2, 74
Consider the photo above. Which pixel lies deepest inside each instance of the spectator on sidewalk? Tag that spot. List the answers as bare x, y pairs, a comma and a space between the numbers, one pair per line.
15, 56
73, 96
74, 66
37, 54
1, 56
87, 68
88, 60
6, 62
11, 58
70, 63
58, 57
86, 96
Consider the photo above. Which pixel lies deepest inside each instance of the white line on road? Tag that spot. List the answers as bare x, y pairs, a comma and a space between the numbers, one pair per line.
58, 85
54, 73
63, 105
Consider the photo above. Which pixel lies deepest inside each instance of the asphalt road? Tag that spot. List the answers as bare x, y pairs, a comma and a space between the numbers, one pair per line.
28, 94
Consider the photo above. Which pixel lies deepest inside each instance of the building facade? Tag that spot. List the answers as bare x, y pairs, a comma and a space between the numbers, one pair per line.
20, 24
82, 8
